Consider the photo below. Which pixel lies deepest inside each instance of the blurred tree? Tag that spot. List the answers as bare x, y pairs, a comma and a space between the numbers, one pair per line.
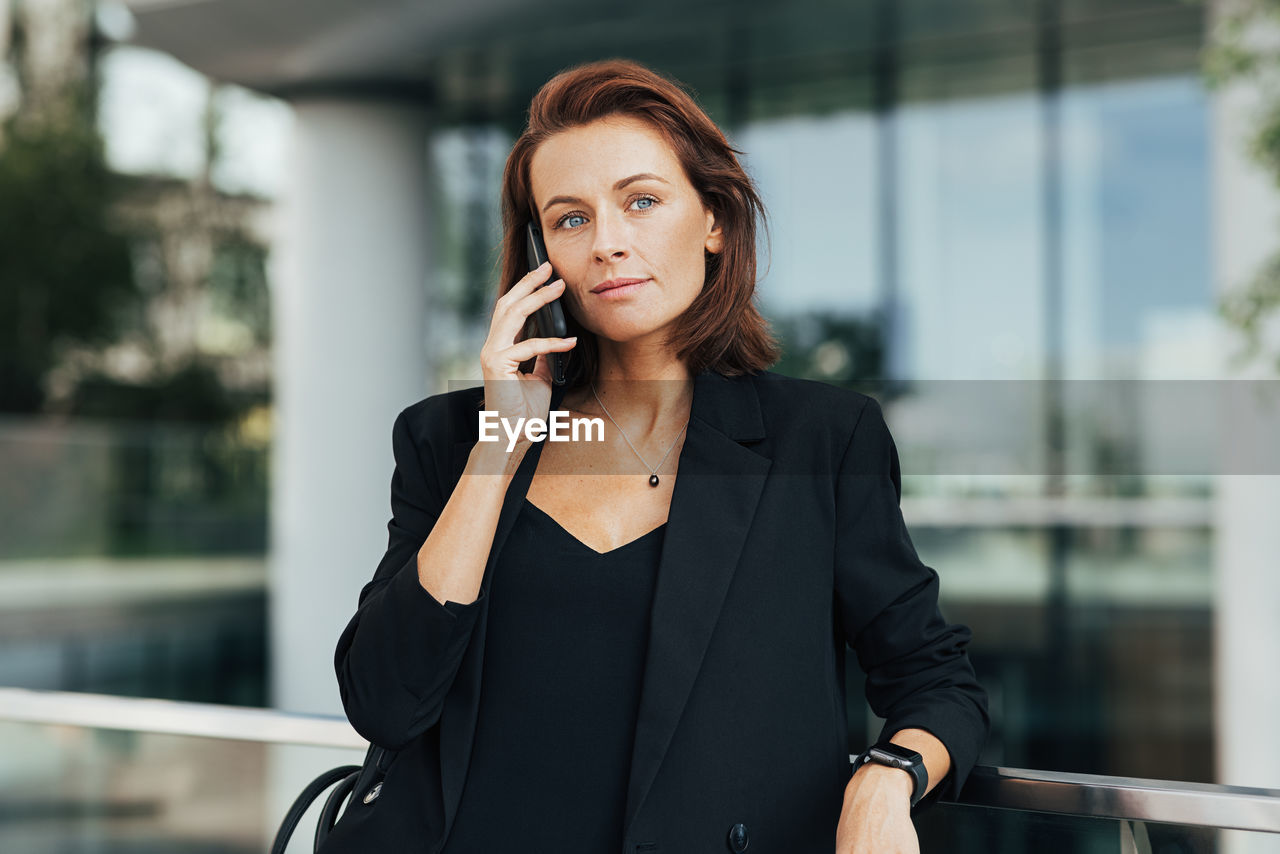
1245, 45
132, 286
191, 392
65, 276
237, 284
136, 299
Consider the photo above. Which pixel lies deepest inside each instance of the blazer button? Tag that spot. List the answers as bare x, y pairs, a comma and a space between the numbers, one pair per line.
738, 838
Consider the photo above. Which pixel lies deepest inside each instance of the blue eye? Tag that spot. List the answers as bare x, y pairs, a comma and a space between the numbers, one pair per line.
561, 222
640, 204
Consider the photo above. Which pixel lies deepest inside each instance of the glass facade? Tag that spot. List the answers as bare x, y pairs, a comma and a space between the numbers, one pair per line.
134, 465
82, 789
964, 829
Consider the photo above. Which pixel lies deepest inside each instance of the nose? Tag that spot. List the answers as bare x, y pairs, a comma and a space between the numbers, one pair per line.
610, 238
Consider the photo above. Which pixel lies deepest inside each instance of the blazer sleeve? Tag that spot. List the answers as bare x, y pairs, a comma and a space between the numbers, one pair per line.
398, 656
918, 672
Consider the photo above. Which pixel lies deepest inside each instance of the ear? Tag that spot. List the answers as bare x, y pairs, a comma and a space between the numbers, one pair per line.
715, 235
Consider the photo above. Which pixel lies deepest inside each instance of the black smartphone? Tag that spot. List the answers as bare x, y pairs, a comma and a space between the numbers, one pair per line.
549, 319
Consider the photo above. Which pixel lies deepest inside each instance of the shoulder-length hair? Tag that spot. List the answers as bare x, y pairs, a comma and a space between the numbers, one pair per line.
722, 330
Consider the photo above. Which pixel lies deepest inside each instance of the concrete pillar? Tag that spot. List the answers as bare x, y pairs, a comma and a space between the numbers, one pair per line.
350, 316
1246, 221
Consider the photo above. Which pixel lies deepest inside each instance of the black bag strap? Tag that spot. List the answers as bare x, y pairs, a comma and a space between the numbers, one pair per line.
313, 790
332, 804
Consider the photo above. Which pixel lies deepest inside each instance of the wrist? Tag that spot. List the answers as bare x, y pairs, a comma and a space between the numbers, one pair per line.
882, 777
493, 458
888, 756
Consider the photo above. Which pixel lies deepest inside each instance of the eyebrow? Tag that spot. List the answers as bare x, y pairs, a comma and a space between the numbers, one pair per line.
643, 176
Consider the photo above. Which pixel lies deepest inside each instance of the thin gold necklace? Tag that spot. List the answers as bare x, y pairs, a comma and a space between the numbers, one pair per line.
653, 470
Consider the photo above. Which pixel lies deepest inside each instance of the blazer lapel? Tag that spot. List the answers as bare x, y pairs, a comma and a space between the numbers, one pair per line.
714, 501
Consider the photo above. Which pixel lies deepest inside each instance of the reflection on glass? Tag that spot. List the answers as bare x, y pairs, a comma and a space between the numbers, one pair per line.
1138, 296
971, 241
72, 790
961, 830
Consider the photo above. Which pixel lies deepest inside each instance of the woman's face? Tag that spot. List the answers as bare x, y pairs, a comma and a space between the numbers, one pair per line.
601, 222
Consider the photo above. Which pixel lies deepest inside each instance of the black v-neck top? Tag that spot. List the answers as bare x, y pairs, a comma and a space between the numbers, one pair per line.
567, 633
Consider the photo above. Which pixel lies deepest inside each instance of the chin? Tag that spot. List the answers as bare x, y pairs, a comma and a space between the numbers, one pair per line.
622, 333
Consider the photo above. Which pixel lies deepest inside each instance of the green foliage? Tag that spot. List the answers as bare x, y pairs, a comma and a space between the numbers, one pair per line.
1249, 307
192, 392
238, 284
1245, 45
64, 275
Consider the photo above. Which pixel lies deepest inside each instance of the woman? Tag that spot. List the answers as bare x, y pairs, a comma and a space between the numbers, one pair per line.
637, 643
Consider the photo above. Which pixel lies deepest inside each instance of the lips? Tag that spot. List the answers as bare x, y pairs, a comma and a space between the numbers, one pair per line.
615, 283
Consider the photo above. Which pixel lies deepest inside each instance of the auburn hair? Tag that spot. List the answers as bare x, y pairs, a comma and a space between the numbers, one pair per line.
722, 330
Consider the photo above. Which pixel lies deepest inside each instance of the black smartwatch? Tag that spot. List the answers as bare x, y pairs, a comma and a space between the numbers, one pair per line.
896, 756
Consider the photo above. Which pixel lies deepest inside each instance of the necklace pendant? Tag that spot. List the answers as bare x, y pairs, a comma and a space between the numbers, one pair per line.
653, 480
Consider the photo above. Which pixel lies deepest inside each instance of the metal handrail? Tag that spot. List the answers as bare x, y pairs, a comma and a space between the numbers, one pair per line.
205, 720
1087, 795
1131, 798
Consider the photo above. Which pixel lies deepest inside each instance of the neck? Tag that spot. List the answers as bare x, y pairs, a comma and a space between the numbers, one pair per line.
644, 387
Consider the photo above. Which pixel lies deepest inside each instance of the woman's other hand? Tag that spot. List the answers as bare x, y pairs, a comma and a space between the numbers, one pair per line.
876, 817
506, 390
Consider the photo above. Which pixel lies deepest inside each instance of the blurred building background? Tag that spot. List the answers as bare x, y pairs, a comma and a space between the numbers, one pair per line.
237, 238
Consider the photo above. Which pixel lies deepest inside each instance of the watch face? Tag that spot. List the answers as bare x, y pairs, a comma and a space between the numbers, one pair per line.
894, 755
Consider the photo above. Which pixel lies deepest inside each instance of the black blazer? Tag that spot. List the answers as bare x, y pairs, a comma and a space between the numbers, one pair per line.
784, 542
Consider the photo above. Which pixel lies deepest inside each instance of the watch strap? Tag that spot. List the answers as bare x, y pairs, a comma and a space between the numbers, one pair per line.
896, 756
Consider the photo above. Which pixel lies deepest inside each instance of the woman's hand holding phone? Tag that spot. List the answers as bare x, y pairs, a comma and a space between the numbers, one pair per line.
451, 561
507, 390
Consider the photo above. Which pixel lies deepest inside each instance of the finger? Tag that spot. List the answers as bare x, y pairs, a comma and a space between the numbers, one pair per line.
526, 284
508, 322
531, 347
540, 297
